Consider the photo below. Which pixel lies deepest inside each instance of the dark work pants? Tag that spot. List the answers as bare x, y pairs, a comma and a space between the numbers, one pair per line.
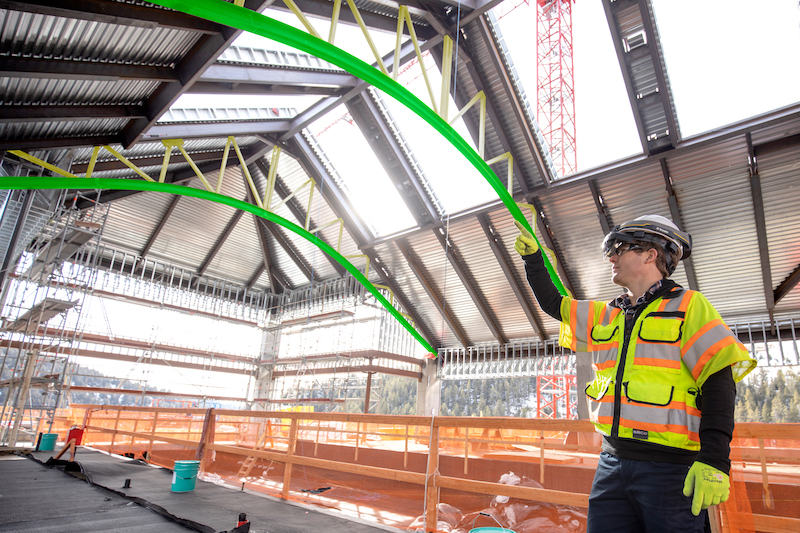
640, 496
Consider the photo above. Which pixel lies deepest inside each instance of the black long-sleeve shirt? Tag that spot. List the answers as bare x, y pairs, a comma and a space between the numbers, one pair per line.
717, 402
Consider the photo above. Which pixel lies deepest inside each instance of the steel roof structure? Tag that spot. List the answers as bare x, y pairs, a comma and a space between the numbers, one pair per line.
104, 72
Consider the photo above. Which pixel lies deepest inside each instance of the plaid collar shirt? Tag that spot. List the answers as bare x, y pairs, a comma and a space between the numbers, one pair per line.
623, 301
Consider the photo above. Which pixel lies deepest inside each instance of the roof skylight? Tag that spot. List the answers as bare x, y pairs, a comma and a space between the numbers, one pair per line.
605, 128
369, 188
740, 61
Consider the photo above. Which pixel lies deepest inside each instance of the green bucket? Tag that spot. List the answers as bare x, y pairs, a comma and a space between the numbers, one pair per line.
48, 442
184, 475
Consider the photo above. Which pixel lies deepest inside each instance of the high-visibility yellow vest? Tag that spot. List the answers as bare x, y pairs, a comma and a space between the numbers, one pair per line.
646, 386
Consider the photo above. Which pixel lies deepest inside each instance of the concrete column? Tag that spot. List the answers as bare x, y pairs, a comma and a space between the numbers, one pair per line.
428, 390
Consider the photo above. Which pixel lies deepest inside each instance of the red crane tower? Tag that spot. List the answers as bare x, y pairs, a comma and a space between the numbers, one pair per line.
555, 82
555, 112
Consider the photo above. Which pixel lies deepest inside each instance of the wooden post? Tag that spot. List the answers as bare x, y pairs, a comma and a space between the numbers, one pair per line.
368, 390
316, 441
114, 434
768, 503
135, 427
431, 490
287, 470
152, 436
541, 457
206, 438
405, 453
466, 449
358, 439
87, 417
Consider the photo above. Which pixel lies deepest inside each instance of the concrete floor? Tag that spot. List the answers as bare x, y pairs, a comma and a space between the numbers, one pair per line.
34, 497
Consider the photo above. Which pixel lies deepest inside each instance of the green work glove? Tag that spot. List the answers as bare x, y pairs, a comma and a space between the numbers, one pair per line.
525, 243
709, 486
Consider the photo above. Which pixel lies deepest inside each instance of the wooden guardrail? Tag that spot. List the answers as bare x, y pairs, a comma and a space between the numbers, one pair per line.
438, 435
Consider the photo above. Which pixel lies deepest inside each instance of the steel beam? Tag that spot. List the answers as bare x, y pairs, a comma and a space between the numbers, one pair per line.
260, 89
202, 55
299, 213
163, 222
393, 158
355, 227
388, 22
785, 143
675, 212
636, 60
516, 105
110, 356
236, 74
787, 285
326, 105
58, 113
761, 230
509, 274
254, 277
277, 282
118, 13
602, 212
13, 67
149, 161
350, 369
549, 241
54, 143
340, 204
477, 299
431, 292
289, 249
152, 393
216, 129
229, 227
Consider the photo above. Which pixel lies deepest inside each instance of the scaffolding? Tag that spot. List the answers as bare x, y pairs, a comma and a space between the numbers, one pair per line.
51, 260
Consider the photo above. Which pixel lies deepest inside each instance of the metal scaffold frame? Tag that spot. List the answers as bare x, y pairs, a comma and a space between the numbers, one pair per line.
42, 314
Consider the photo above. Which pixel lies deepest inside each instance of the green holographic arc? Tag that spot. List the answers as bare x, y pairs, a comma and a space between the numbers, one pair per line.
232, 15
31, 182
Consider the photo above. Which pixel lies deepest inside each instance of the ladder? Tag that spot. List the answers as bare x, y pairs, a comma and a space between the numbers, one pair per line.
261, 442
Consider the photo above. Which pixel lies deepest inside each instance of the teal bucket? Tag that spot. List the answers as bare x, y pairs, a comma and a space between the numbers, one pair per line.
184, 475
489, 530
48, 442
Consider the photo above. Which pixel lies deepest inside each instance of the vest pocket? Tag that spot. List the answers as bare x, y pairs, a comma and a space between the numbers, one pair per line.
649, 393
604, 333
660, 330
658, 345
597, 389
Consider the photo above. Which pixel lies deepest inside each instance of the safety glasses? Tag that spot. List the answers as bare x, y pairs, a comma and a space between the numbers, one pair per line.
618, 248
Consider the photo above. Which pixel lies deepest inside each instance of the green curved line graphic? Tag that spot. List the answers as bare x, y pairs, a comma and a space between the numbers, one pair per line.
232, 15
31, 182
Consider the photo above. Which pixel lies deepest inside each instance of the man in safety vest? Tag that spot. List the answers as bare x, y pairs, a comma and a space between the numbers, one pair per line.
663, 395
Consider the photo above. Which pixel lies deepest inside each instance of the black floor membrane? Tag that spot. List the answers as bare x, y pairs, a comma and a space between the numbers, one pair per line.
209, 508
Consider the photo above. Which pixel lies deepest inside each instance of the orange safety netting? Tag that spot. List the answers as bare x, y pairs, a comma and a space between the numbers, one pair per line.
446, 474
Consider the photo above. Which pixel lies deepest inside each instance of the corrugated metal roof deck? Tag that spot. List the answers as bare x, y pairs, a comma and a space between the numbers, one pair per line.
709, 174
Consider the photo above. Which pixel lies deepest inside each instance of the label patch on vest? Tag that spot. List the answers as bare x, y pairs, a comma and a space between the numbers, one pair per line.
639, 434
